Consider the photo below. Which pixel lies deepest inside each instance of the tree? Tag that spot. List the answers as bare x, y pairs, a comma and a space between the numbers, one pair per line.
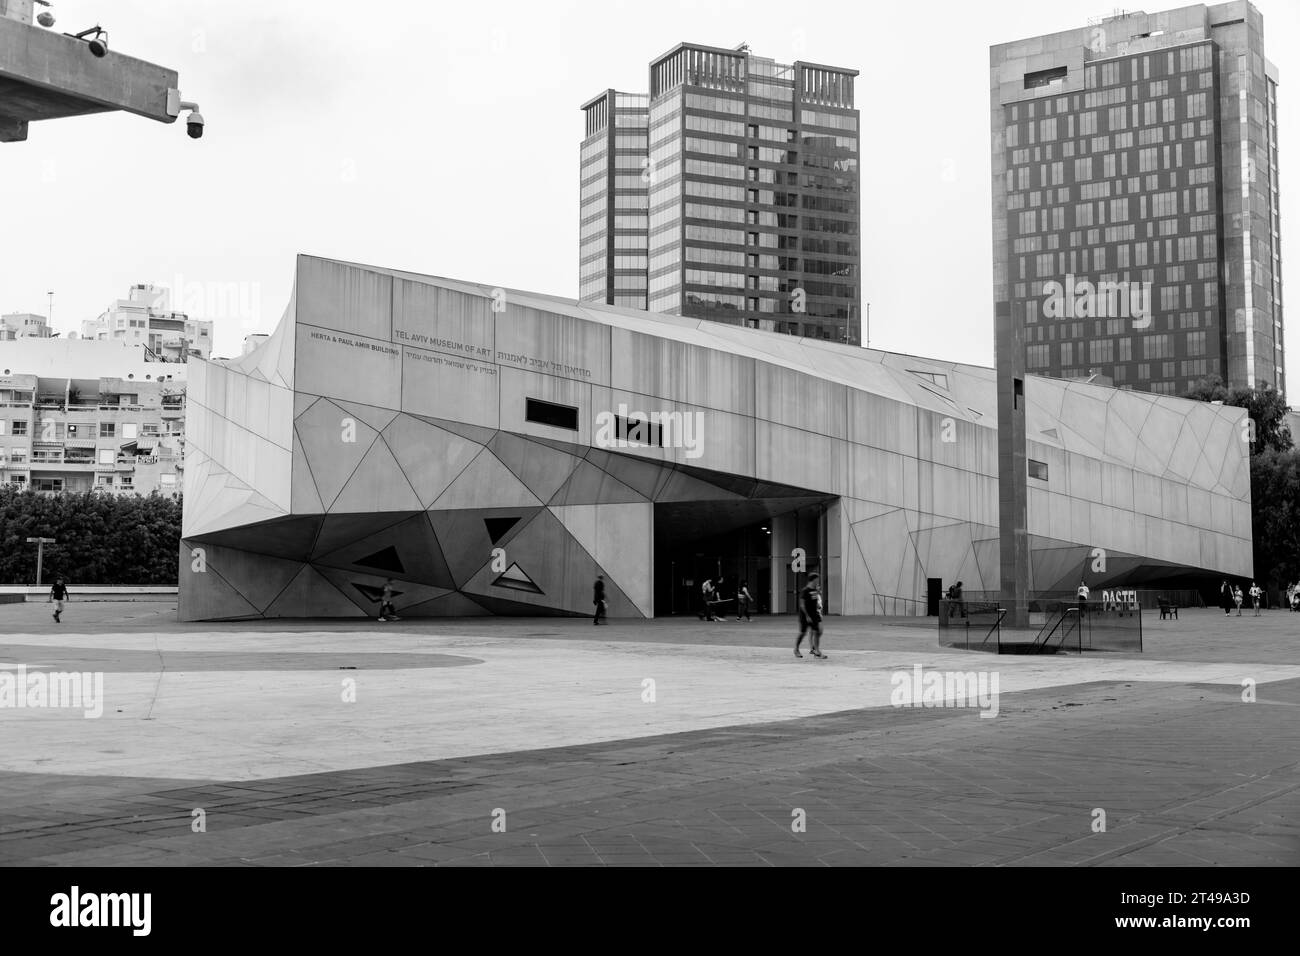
1266, 406
102, 539
1274, 479
1275, 503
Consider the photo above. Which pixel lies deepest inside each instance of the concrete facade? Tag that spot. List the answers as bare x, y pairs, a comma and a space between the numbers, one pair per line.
46, 75
454, 438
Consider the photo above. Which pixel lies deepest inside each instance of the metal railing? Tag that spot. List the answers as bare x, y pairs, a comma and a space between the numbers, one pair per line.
971, 625
1148, 598
890, 605
1055, 626
1063, 624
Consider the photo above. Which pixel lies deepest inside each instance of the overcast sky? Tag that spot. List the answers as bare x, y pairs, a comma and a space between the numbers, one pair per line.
443, 138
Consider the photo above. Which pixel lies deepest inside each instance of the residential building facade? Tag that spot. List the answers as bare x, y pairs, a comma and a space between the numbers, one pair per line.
78, 415
1135, 200
747, 178
24, 325
145, 317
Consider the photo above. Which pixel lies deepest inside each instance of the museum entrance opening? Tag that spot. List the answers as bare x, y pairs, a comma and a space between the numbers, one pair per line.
747, 543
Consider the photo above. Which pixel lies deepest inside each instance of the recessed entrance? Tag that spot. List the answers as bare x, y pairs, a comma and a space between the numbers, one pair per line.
733, 543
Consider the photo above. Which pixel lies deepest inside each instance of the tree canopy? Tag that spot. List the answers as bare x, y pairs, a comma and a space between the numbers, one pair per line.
1274, 478
102, 539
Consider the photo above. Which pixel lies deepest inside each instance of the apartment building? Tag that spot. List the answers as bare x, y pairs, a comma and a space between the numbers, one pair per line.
145, 317
77, 415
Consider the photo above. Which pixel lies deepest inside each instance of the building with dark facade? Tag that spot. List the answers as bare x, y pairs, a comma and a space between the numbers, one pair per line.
1135, 221
1135, 199
729, 193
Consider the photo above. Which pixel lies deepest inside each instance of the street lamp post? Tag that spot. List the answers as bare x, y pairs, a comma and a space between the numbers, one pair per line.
40, 554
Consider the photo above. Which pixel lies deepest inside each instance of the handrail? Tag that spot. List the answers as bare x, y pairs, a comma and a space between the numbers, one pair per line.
880, 599
1065, 616
996, 626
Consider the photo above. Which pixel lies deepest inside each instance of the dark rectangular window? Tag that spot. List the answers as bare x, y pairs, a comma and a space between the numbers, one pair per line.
548, 413
1044, 77
639, 431
1037, 469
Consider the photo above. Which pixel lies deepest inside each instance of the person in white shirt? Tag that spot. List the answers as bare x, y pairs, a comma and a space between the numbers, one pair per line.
1256, 592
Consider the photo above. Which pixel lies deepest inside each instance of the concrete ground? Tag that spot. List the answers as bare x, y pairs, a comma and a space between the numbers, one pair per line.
546, 741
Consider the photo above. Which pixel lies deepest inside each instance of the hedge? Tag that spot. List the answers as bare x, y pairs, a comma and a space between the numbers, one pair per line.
102, 538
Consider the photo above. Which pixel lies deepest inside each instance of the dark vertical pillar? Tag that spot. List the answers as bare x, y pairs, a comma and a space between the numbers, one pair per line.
1013, 493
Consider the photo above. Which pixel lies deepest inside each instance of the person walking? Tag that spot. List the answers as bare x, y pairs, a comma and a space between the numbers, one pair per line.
1256, 592
1225, 596
709, 591
598, 599
1237, 599
810, 617
58, 594
743, 601
386, 610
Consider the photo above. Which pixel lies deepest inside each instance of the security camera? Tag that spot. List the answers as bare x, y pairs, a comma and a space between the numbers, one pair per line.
193, 125
45, 18
96, 40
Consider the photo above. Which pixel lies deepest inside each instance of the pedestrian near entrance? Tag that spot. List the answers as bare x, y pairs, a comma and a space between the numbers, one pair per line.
709, 597
958, 602
58, 594
810, 617
1237, 599
386, 610
598, 598
1256, 592
743, 601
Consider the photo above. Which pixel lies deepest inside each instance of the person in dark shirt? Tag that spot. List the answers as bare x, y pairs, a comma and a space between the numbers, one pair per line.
598, 598
743, 601
58, 594
810, 617
386, 610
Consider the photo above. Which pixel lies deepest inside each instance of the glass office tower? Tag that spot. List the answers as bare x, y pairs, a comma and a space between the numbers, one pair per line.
1135, 164
614, 189
751, 187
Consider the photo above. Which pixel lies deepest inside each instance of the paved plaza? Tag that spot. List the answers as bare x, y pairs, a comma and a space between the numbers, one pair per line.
546, 741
